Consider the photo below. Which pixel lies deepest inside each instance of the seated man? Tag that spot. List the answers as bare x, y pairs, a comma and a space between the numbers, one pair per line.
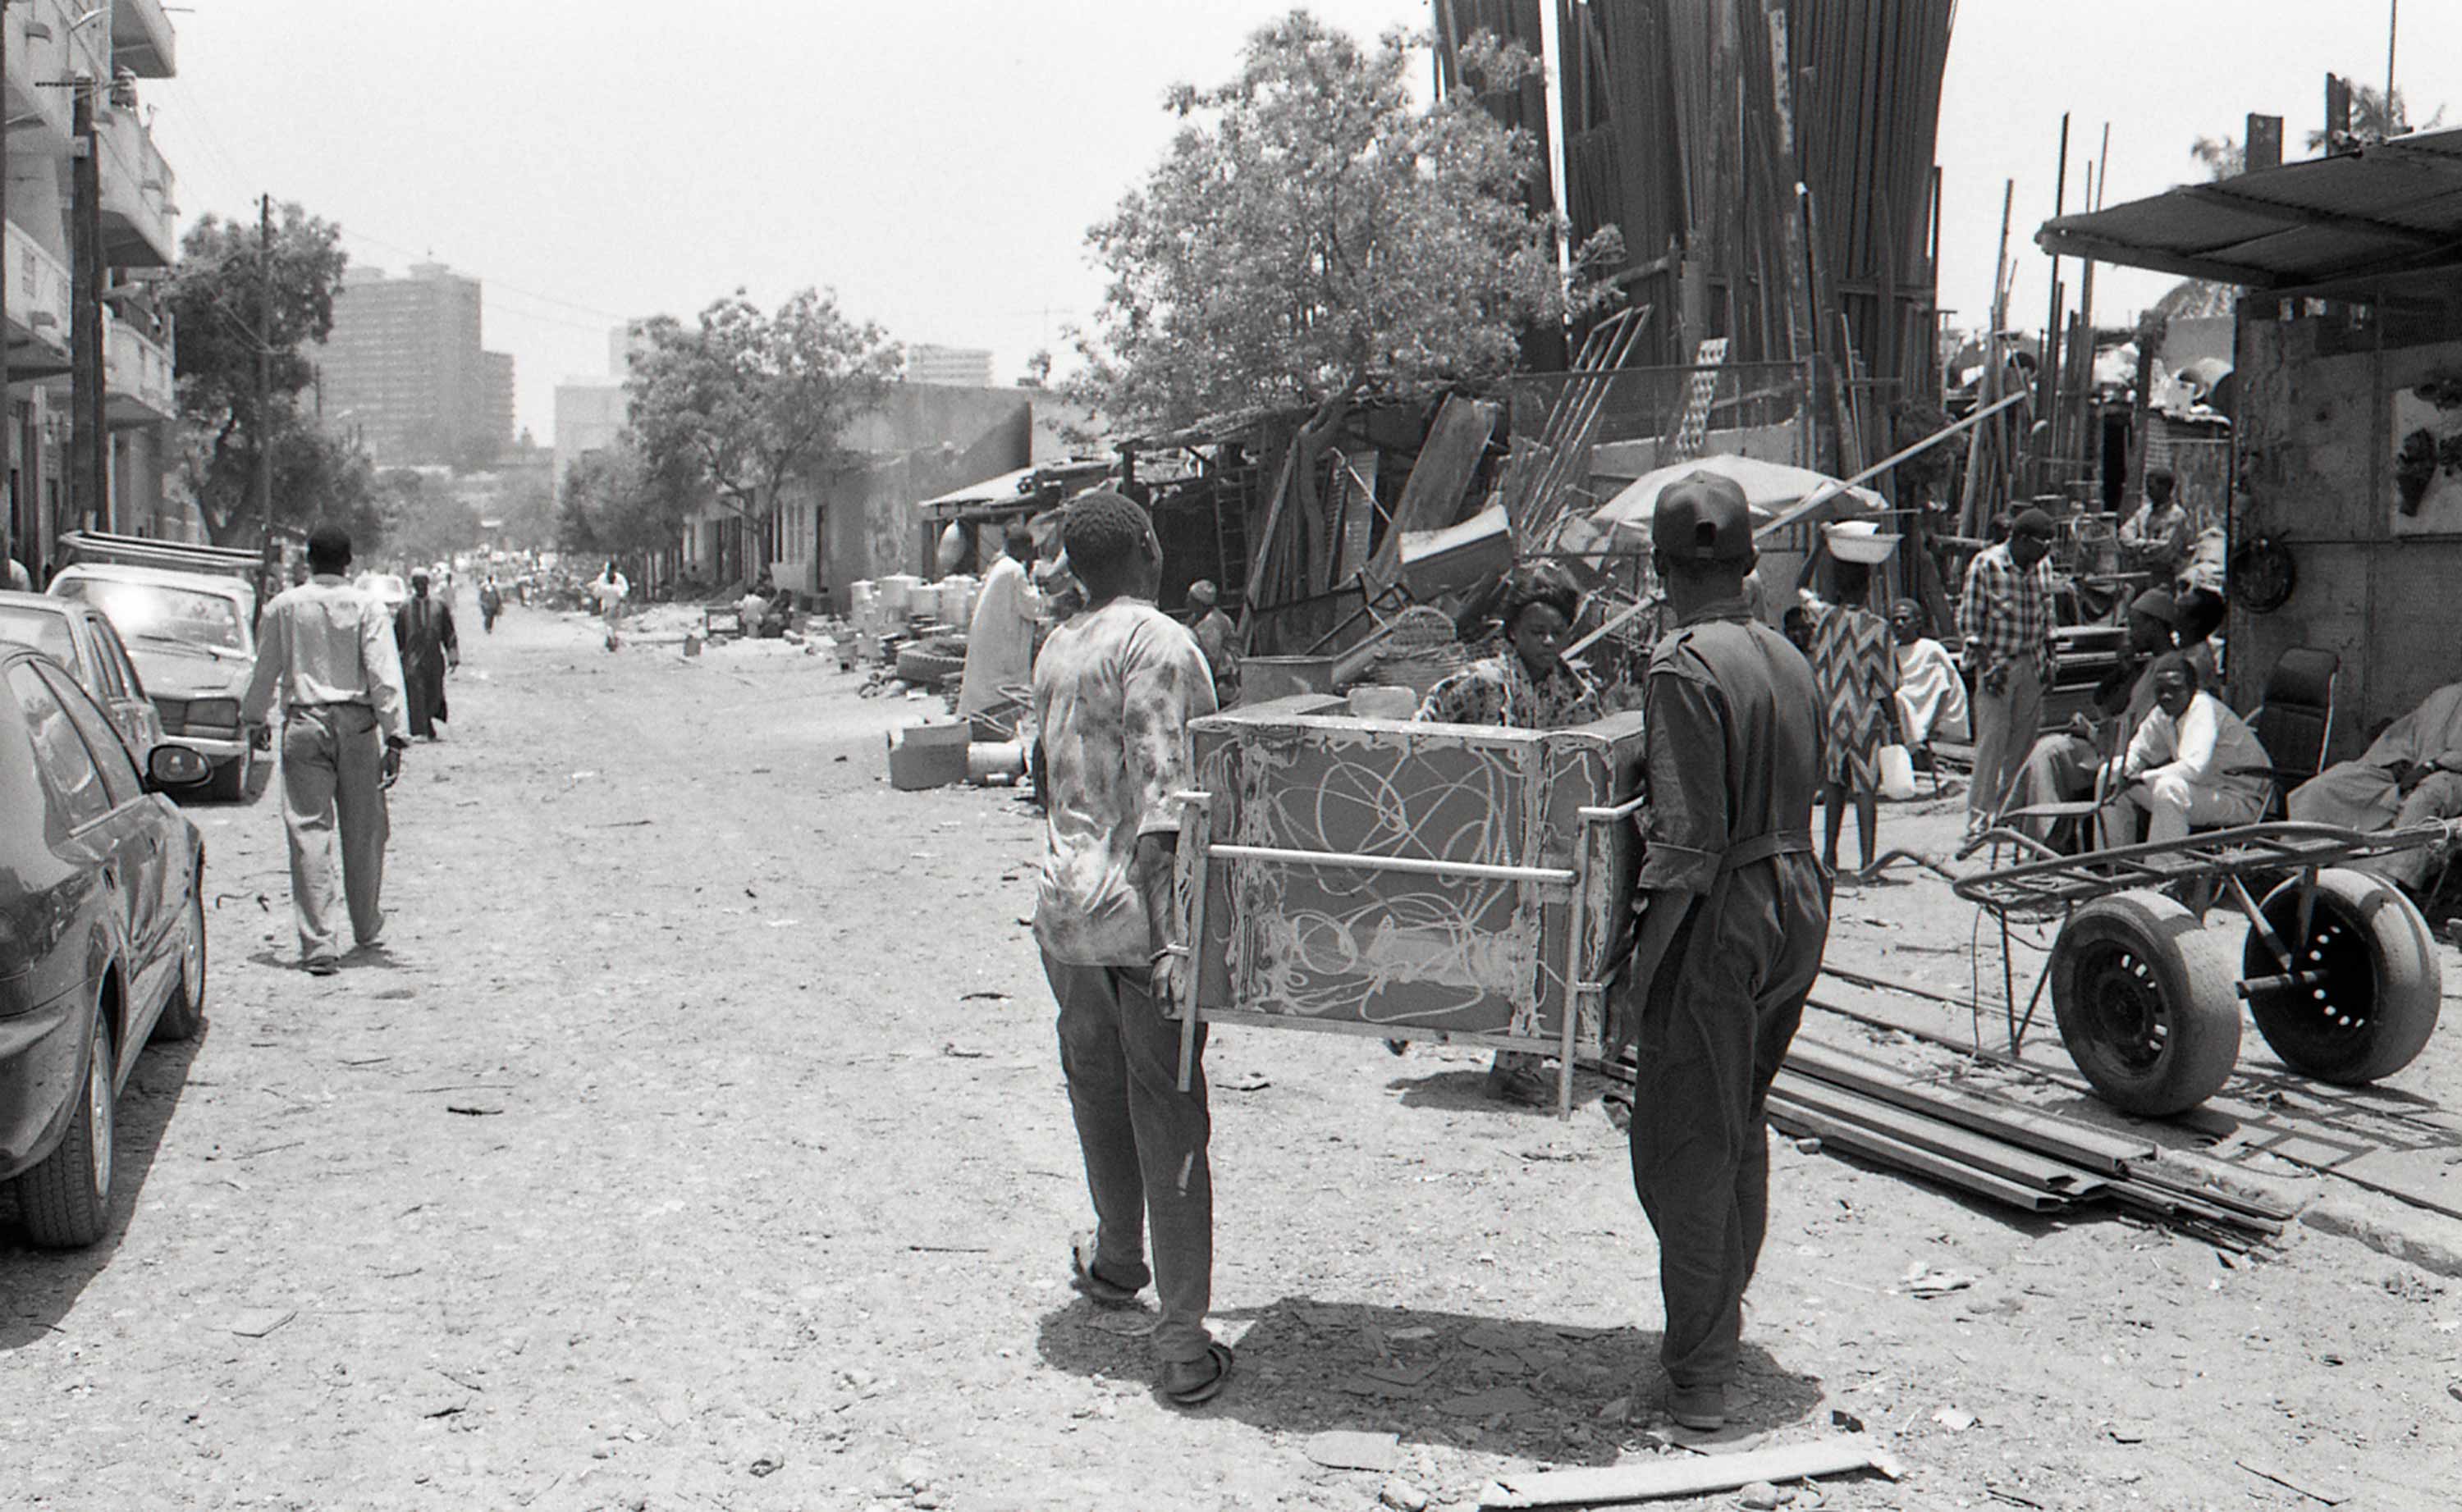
1932, 694
2063, 765
2193, 763
2411, 776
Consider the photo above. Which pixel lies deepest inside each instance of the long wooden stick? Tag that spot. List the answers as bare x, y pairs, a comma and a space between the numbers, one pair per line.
1822, 494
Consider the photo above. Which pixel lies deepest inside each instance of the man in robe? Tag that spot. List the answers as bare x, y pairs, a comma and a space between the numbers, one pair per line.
423, 632
2412, 774
1932, 694
1218, 637
999, 643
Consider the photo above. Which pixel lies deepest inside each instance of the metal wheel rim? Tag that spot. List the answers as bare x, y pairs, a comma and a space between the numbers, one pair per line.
192, 957
2344, 1006
2125, 1009
98, 1117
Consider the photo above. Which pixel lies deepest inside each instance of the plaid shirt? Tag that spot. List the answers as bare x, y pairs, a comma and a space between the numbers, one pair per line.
2006, 612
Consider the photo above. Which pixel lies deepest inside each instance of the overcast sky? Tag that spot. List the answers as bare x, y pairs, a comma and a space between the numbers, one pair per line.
937, 162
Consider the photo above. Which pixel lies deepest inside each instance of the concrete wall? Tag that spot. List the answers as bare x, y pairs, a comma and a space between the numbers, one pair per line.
926, 440
2316, 467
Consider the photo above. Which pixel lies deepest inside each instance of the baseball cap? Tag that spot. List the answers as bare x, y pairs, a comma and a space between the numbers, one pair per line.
1702, 517
2156, 604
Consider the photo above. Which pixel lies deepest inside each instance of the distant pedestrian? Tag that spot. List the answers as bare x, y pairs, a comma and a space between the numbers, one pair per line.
999, 639
423, 631
1855, 672
491, 602
1113, 694
609, 590
1734, 913
327, 649
2156, 538
1217, 636
2006, 616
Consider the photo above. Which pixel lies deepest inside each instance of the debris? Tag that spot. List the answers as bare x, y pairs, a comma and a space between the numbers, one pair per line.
984, 997
1955, 1421
1501, 1401
1847, 1420
1402, 1496
1939, 1283
1760, 1496
1350, 1449
1243, 1081
258, 1322
770, 1464
952, 1050
1689, 1477
2130, 1433
471, 1110
2282, 1478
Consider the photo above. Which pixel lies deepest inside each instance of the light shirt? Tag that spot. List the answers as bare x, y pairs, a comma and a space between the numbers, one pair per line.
1114, 691
999, 639
325, 642
610, 590
2207, 746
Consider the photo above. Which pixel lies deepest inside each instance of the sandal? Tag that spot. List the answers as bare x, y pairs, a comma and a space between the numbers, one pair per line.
1202, 1388
1089, 1282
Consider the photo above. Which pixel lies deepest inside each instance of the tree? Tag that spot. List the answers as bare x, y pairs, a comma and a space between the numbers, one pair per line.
747, 403
2376, 116
1312, 233
428, 519
218, 295
617, 503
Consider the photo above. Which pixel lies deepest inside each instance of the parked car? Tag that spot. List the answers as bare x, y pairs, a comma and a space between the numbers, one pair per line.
79, 637
191, 635
385, 588
103, 937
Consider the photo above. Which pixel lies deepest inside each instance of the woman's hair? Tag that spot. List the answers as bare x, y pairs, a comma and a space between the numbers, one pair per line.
1540, 582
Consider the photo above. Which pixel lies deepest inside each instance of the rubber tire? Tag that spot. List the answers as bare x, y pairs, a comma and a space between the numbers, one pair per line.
2192, 977
927, 669
230, 782
184, 1015
61, 1202
2400, 1001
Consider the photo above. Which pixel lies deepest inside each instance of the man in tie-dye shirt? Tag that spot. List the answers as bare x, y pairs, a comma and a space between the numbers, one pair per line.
1114, 690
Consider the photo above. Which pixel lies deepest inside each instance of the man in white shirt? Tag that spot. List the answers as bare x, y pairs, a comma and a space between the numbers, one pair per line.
328, 650
2192, 762
1000, 641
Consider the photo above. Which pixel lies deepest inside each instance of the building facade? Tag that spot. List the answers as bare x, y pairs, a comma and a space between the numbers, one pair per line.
406, 371
960, 367
68, 62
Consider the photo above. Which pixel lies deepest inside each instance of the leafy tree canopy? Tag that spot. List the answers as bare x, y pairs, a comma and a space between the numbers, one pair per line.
747, 402
615, 504
1312, 233
219, 296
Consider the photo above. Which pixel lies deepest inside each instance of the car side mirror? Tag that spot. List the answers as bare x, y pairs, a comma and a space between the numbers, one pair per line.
170, 766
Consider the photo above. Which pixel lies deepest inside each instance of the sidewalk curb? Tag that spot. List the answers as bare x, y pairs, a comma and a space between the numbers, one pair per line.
2431, 1241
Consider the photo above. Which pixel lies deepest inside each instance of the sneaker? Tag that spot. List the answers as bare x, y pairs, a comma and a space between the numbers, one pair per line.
322, 966
1704, 1409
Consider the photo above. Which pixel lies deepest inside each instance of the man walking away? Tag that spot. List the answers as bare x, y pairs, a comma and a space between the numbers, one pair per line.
423, 632
1000, 640
608, 590
327, 649
1113, 693
491, 602
1734, 911
2006, 617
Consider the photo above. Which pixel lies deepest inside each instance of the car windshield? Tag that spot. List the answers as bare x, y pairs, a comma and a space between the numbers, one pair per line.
159, 611
45, 631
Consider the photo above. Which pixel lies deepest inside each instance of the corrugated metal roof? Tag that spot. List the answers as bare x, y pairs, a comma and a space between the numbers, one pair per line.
2394, 208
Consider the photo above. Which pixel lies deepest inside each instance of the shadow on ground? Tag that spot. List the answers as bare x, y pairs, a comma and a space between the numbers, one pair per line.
40, 1286
1556, 1392
1464, 1089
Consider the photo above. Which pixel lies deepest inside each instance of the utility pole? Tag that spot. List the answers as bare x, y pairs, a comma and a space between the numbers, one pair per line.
264, 385
9, 524
89, 440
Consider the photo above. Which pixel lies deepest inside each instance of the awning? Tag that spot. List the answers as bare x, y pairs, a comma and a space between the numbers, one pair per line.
1007, 488
2394, 208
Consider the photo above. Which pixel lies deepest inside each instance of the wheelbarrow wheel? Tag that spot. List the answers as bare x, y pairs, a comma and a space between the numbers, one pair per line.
2144, 996
2373, 985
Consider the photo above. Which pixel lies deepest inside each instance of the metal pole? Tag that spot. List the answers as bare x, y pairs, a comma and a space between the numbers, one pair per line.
8, 516
2393, 30
265, 387
89, 442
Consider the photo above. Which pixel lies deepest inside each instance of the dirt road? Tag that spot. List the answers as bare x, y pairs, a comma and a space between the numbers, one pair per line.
699, 1142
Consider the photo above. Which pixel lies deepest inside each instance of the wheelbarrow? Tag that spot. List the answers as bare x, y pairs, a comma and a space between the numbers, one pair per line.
2337, 967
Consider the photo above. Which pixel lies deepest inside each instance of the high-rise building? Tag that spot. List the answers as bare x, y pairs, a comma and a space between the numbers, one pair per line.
591, 410
50, 44
405, 372
966, 366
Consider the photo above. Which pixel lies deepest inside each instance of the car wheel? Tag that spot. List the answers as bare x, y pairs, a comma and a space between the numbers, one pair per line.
65, 1201
2144, 993
185, 1012
229, 781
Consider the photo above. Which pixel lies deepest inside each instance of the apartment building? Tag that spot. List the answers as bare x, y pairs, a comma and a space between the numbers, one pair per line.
66, 61
958, 367
405, 370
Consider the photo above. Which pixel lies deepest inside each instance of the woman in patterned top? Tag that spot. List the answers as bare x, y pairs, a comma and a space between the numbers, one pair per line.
1528, 687
1855, 671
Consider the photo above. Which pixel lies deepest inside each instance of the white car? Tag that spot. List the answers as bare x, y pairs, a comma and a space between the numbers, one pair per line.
385, 588
192, 637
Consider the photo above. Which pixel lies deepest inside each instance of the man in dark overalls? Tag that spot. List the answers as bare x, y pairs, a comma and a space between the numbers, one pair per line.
1734, 911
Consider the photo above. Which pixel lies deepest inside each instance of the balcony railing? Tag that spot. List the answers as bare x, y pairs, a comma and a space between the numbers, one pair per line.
45, 49
137, 194
136, 381
38, 306
141, 39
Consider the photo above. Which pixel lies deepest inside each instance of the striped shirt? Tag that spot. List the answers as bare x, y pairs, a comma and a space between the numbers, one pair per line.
2006, 612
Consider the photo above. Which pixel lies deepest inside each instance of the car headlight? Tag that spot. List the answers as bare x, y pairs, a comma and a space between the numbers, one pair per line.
220, 714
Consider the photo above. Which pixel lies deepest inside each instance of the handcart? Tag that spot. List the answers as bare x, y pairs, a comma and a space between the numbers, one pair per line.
2337, 967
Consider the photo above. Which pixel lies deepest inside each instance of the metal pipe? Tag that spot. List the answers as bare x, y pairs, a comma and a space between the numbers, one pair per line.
1330, 859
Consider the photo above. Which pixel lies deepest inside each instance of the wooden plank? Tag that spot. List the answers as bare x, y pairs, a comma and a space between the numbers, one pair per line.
1448, 460
1689, 1477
